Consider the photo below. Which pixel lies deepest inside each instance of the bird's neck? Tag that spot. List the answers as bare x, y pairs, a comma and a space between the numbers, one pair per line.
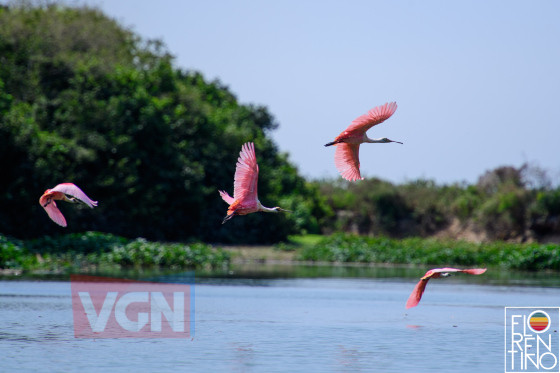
265, 209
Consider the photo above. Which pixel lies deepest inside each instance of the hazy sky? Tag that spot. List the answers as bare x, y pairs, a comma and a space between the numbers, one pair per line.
477, 83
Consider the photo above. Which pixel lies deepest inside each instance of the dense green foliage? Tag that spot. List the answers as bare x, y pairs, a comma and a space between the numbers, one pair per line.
84, 100
506, 204
94, 251
350, 248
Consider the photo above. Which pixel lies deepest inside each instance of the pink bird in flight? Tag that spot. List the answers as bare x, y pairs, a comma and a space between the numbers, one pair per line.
64, 192
416, 295
245, 199
346, 157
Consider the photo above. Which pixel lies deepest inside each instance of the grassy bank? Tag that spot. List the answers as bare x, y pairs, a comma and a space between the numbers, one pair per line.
93, 251
351, 248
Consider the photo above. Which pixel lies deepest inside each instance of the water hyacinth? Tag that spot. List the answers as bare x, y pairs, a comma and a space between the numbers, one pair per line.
352, 248
91, 250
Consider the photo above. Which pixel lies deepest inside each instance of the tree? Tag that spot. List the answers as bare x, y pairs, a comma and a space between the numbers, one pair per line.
87, 101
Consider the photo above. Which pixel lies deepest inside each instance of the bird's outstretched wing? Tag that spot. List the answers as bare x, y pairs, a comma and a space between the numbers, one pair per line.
347, 162
72, 190
226, 197
416, 294
55, 214
371, 118
470, 271
246, 173
474, 271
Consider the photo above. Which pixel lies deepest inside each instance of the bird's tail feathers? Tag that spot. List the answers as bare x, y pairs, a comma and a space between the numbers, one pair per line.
226, 197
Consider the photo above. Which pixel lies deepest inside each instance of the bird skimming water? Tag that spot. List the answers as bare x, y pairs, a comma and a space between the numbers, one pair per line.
346, 157
416, 295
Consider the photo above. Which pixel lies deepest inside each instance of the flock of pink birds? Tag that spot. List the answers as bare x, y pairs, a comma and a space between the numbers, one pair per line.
245, 197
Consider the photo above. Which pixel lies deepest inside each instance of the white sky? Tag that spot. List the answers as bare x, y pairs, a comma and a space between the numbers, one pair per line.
477, 83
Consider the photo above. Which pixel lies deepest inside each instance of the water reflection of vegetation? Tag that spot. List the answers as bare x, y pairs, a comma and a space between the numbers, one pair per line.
494, 275
254, 274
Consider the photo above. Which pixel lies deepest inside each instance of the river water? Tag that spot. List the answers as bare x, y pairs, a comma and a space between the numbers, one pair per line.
334, 320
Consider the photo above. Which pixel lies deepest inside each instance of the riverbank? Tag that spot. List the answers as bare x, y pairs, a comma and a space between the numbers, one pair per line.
95, 251
100, 252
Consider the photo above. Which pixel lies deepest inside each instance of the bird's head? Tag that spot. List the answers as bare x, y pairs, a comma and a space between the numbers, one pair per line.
279, 209
387, 140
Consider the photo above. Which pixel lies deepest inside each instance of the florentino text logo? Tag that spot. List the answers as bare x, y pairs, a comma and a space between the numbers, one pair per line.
532, 341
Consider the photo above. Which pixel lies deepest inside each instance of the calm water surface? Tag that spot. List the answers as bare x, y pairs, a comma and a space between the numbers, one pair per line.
246, 323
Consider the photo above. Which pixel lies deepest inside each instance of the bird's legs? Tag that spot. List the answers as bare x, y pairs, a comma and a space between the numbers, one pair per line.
228, 217
69, 198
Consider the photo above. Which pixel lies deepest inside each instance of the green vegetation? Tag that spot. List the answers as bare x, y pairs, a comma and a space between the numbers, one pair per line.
508, 204
93, 251
84, 100
351, 248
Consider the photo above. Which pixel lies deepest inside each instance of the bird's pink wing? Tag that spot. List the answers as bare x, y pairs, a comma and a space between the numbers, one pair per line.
371, 118
444, 270
416, 294
74, 191
347, 161
55, 214
226, 197
246, 173
474, 271
471, 271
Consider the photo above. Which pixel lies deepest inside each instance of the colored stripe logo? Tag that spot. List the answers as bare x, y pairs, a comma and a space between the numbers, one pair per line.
539, 321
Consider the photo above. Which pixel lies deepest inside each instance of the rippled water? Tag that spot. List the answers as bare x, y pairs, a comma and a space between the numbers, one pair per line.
247, 324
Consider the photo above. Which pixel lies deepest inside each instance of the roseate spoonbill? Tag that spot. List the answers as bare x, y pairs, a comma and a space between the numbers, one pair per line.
245, 199
65, 192
346, 156
416, 295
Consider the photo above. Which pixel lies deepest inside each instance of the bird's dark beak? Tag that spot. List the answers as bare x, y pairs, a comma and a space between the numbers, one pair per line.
284, 210
398, 142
